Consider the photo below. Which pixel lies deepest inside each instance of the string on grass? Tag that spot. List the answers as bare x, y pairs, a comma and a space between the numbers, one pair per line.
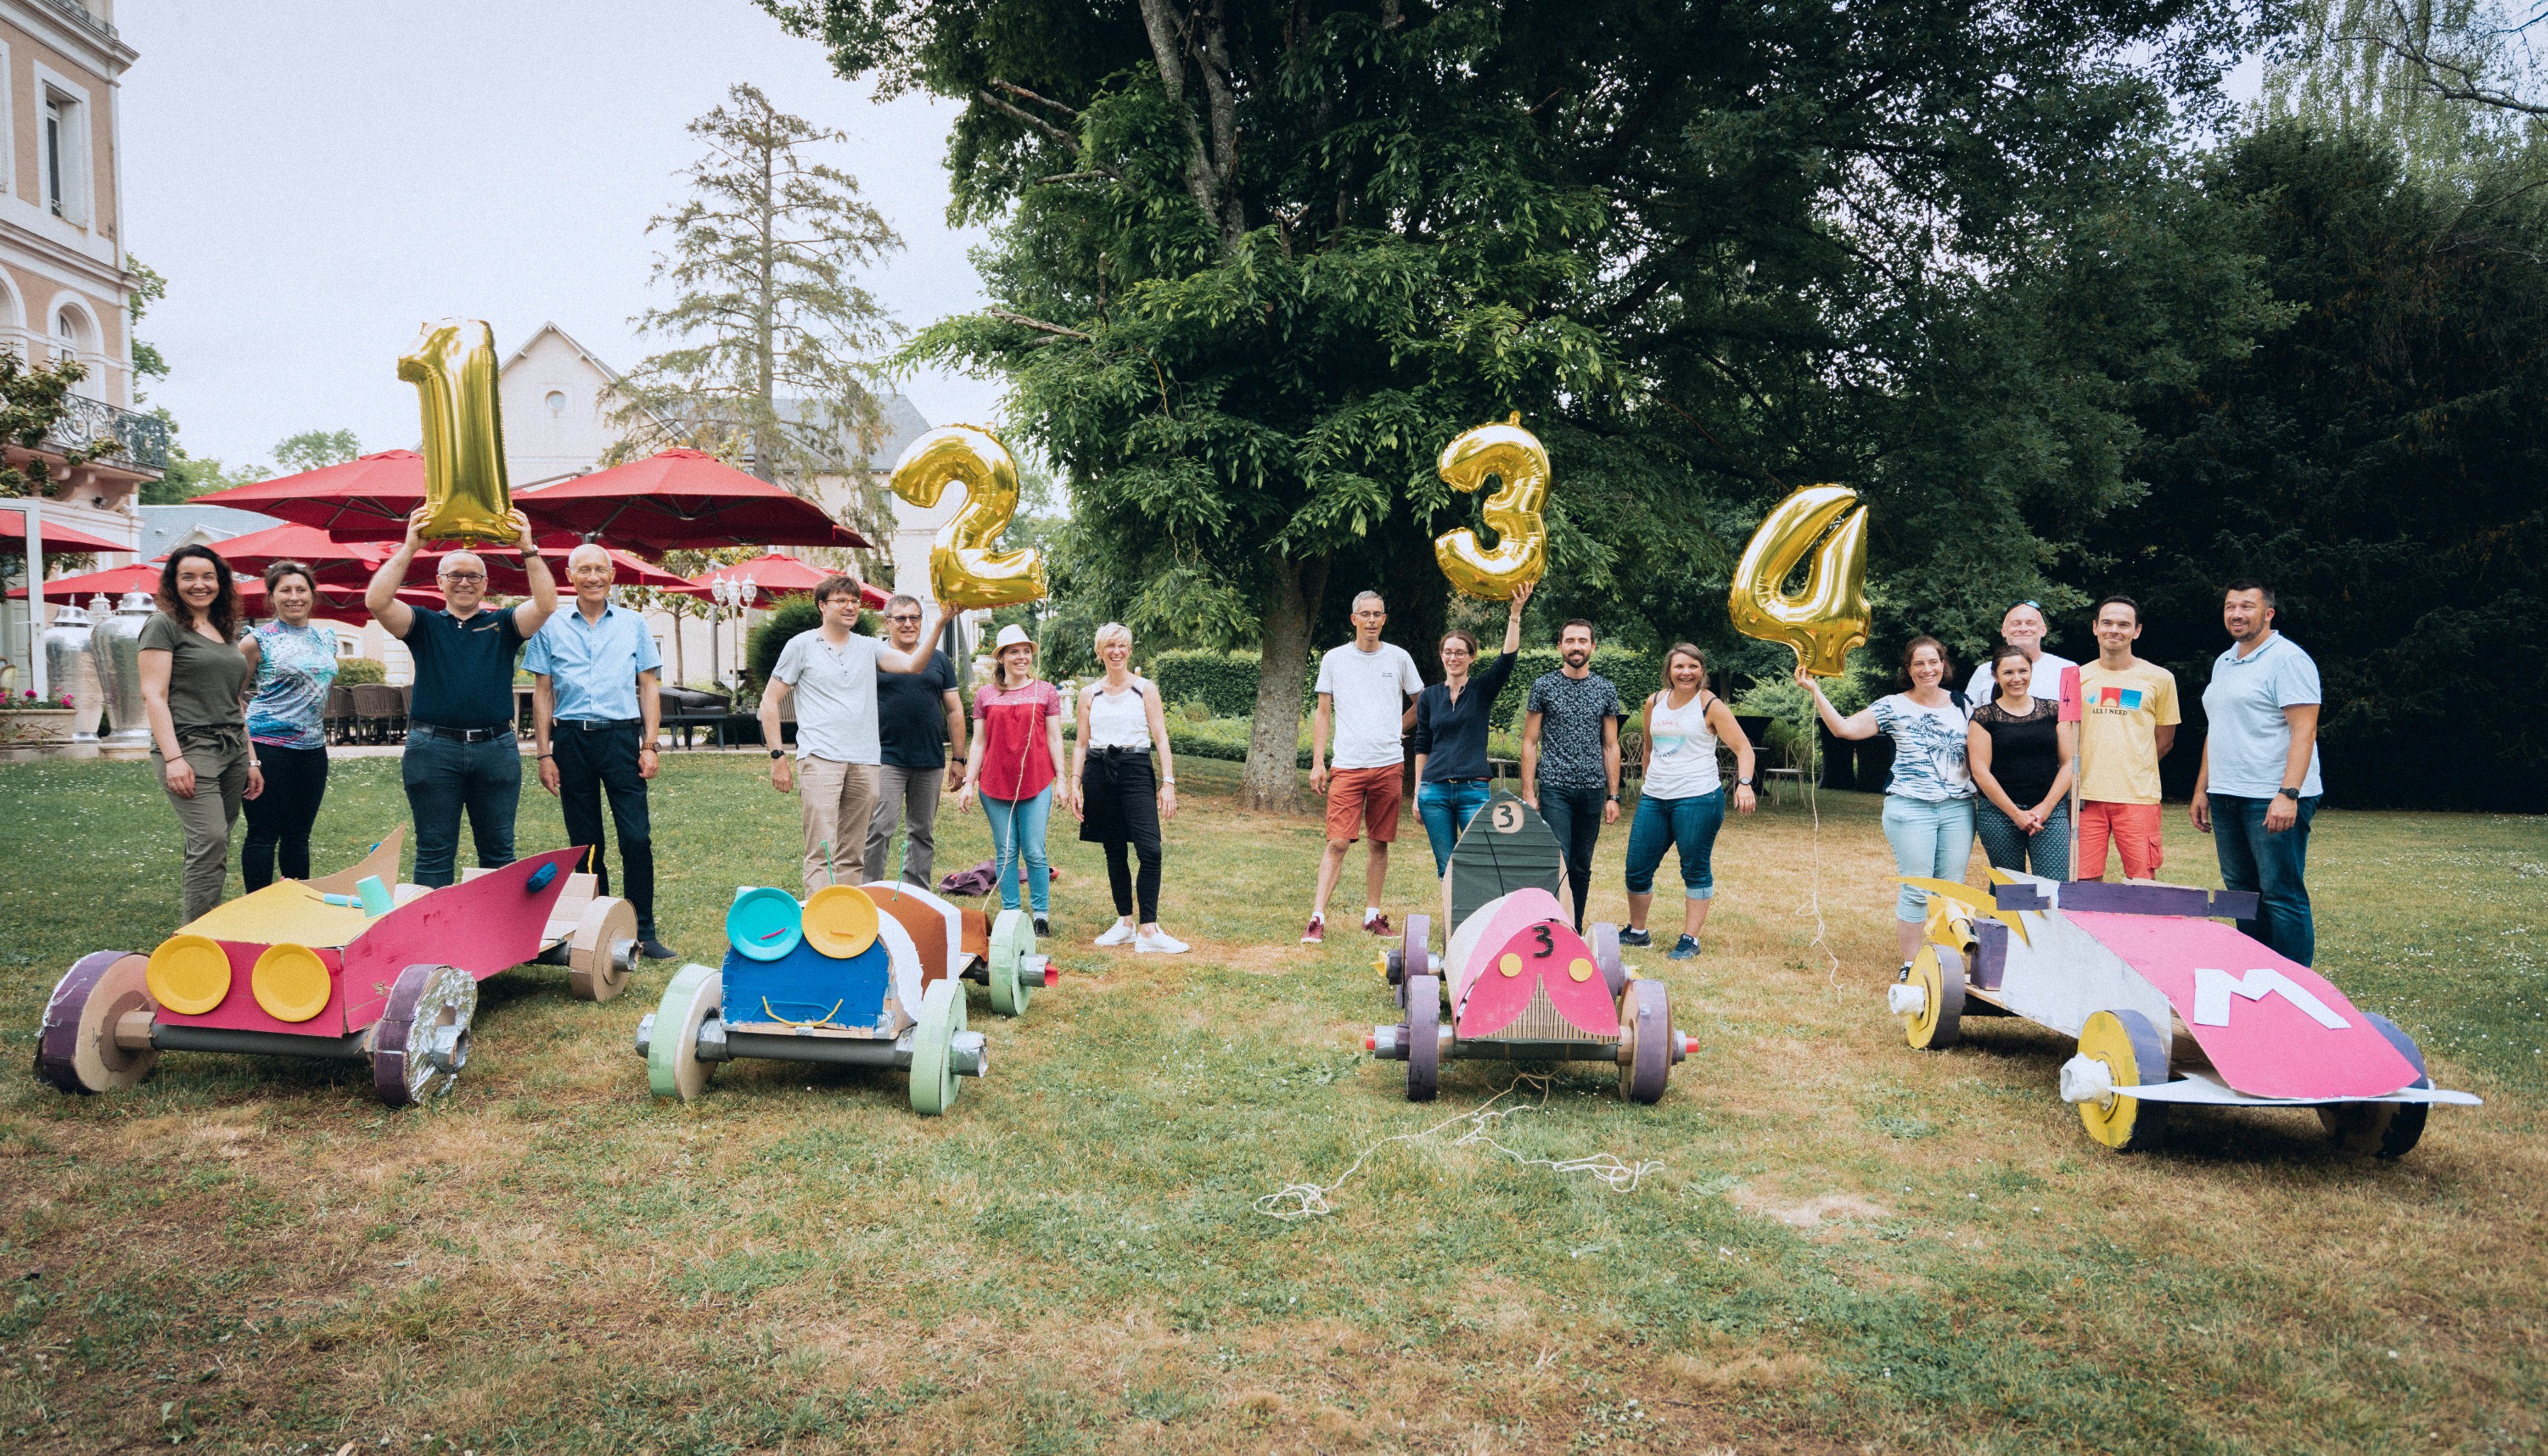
1813, 805
1312, 1200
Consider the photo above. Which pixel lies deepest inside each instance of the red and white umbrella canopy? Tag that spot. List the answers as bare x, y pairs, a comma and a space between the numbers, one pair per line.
683, 501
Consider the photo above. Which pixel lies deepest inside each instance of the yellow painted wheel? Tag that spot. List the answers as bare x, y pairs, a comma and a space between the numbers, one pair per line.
1942, 1009
291, 982
840, 921
189, 974
2135, 1056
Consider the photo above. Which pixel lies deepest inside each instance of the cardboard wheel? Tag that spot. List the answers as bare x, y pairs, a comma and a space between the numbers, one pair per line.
673, 1065
2381, 1129
1605, 955
2134, 1055
1423, 1037
933, 1048
421, 1041
1645, 1041
1011, 987
594, 970
1012, 935
1941, 1020
75, 1051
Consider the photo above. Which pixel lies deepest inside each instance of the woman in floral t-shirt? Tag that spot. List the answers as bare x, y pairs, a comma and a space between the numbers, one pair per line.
1017, 755
295, 662
1928, 806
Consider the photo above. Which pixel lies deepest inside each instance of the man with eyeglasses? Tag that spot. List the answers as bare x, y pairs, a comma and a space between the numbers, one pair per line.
919, 716
461, 748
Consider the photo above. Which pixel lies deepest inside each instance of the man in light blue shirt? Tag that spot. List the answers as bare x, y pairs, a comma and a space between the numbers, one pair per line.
2258, 789
594, 710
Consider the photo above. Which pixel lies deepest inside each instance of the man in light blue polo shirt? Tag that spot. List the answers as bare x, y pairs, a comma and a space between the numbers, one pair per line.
2259, 788
595, 709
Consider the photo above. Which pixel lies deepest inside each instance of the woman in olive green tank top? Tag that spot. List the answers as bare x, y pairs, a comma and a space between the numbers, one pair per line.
194, 691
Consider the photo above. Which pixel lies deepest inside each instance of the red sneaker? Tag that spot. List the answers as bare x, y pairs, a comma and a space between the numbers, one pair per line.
1316, 934
1378, 925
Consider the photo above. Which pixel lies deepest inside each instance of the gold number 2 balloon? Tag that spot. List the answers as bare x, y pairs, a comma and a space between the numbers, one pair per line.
963, 569
1829, 617
1514, 456
453, 368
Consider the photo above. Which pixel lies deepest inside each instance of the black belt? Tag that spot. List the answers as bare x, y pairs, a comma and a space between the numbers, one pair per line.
598, 725
1121, 750
465, 735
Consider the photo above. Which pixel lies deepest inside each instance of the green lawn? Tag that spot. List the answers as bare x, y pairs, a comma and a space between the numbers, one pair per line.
1848, 1246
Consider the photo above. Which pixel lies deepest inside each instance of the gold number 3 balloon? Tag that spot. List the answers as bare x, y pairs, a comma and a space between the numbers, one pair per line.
1514, 456
1829, 617
963, 569
453, 368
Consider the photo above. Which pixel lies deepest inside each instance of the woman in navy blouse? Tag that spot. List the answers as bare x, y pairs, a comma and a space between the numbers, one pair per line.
1451, 770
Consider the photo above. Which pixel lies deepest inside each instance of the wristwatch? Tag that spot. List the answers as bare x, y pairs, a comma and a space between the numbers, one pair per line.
1742, 783
779, 753
2288, 793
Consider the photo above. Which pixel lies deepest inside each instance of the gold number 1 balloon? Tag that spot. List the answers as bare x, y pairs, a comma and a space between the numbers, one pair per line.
453, 368
1829, 617
1514, 456
963, 569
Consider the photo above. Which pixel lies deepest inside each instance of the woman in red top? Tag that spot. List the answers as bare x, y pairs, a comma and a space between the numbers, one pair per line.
1017, 755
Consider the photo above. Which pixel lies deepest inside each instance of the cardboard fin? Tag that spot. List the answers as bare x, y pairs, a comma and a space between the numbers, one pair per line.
383, 860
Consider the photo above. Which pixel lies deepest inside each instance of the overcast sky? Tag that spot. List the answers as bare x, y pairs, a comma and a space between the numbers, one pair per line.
317, 178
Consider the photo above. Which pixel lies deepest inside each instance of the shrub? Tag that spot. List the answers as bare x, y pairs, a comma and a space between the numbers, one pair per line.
355, 670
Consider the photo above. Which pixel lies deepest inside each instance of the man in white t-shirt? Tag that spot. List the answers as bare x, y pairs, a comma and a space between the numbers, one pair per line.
2022, 629
1366, 693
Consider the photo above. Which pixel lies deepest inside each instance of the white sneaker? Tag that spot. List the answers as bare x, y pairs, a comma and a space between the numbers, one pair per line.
1163, 944
1119, 935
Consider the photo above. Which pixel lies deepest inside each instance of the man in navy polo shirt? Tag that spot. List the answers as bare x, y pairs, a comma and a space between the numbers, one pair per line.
461, 750
594, 710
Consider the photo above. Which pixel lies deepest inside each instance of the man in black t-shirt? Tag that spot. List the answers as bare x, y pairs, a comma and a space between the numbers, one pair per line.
461, 748
918, 715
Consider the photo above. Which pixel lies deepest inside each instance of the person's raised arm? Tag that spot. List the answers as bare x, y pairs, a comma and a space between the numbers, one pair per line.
1530, 757
1730, 732
379, 598
1158, 716
1319, 720
531, 616
889, 660
1513, 616
1860, 725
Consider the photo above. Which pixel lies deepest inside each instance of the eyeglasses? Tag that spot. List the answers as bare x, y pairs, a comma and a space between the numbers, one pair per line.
462, 577
904, 616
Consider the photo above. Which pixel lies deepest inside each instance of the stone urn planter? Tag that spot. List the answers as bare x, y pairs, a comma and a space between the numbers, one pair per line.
28, 727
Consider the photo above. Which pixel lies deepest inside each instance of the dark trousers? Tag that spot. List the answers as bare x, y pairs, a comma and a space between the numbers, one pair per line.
278, 819
594, 763
444, 775
1122, 793
1574, 815
2273, 866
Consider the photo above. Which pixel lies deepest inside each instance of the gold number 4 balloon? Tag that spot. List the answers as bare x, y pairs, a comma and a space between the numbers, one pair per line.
1829, 617
963, 569
453, 368
1514, 456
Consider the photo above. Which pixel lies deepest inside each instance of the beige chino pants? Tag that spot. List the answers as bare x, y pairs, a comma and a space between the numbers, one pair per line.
839, 802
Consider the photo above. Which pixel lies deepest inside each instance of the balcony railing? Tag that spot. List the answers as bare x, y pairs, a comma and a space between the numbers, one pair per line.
139, 441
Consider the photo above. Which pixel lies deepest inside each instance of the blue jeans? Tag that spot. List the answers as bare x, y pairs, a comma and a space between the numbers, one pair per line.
1688, 824
444, 775
1930, 838
1446, 810
1016, 827
1574, 815
2274, 867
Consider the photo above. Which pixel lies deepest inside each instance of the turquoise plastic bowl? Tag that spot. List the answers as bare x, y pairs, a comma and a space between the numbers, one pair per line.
764, 924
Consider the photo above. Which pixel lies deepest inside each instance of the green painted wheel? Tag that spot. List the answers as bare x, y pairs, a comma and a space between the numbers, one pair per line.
933, 1048
1012, 941
673, 1065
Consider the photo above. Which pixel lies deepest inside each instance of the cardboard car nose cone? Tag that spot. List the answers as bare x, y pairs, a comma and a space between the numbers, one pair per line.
840, 921
765, 924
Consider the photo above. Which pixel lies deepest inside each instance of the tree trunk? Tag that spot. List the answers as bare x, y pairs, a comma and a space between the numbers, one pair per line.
681, 674
1273, 776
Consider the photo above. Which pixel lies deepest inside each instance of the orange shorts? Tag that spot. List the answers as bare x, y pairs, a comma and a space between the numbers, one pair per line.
2135, 829
1368, 797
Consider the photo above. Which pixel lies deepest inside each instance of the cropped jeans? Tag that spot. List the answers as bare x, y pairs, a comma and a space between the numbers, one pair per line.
1932, 839
1017, 831
1446, 809
1689, 825
2273, 866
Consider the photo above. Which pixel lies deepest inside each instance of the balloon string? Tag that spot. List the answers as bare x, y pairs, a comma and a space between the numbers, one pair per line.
1813, 805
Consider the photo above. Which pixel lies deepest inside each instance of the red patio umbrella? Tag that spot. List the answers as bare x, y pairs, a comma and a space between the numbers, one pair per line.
683, 501
314, 548
774, 576
339, 601
114, 582
58, 537
505, 572
366, 499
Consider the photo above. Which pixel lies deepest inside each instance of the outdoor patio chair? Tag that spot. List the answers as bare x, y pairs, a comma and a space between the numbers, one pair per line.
380, 713
336, 719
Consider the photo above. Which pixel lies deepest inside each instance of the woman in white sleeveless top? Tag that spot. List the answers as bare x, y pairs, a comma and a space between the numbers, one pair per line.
1682, 802
1119, 802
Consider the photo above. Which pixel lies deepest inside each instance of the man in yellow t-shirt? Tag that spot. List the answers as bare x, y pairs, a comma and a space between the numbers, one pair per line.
2128, 723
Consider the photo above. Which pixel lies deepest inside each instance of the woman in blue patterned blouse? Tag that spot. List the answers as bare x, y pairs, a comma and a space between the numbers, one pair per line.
295, 662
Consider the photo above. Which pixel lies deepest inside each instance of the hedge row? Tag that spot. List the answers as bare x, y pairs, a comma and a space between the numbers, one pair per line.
1224, 683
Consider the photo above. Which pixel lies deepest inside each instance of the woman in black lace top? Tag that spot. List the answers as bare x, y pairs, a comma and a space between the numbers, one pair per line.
2022, 758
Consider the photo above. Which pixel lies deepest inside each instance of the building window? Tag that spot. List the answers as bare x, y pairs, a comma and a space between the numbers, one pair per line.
63, 160
556, 402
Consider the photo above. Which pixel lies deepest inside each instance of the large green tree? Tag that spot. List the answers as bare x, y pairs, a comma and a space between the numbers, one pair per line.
1254, 263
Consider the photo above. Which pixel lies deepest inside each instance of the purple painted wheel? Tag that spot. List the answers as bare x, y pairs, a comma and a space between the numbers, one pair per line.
76, 1049
422, 1038
1423, 1037
1605, 955
1645, 1041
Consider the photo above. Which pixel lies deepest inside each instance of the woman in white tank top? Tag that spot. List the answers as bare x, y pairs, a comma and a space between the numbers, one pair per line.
1119, 802
1682, 803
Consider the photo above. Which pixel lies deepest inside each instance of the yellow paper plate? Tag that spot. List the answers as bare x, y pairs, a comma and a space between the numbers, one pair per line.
840, 921
189, 974
291, 982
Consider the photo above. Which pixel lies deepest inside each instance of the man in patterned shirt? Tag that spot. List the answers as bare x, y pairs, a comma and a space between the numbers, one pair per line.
1569, 754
